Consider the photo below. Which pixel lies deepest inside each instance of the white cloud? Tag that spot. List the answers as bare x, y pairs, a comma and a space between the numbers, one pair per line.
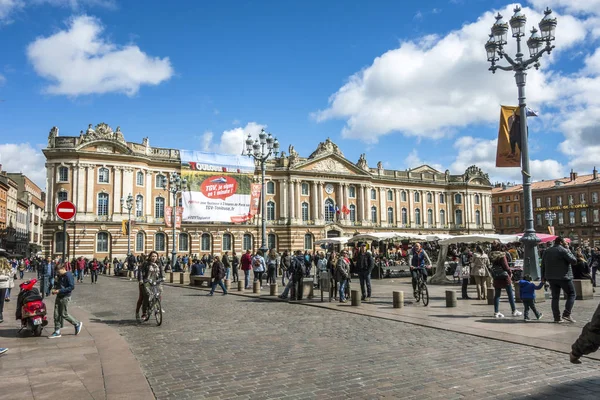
8, 7
413, 160
22, 157
2, 79
482, 152
570, 6
78, 61
232, 141
433, 86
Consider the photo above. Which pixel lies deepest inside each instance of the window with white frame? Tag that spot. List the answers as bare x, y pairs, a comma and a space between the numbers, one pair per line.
103, 175
508, 221
184, 242
159, 242
571, 217
548, 201
304, 189
308, 242
62, 196
305, 214
404, 217
583, 216
596, 215
390, 215
476, 199
270, 211
559, 201
443, 217
403, 195
139, 180
418, 216
373, 194
417, 197
594, 197
102, 242
561, 218
442, 198
270, 187
581, 198
458, 198
139, 205
140, 239
508, 208
458, 217
227, 242
160, 181
429, 217
272, 241
102, 209
205, 242
159, 207
329, 210
570, 199
63, 174
374, 214
390, 195
352, 192
247, 242
429, 197
352, 213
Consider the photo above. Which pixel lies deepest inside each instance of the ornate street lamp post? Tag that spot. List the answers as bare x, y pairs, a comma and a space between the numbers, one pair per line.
538, 45
261, 149
128, 205
550, 216
176, 185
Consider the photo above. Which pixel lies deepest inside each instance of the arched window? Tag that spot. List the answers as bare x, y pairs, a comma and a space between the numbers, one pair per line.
140, 239
418, 216
457, 198
417, 197
478, 218
390, 215
329, 210
102, 242
477, 200
390, 195
352, 213
184, 242
374, 214
159, 242
429, 197
305, 214
102, 204
403, 195
63, 174
247, 242
272, 241
227, 242
139, 180
404, 217
205, 242
139, 205
458, 217
429, 217
308, 242
443, 217
59, 242
373, 194
442, 198
159, 207
270, 211
62, 196
103, 175
160, 181
270, 187
352, 192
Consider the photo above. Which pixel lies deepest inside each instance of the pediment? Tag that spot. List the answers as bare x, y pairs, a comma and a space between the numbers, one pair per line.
105, 146
332, 164
424, 169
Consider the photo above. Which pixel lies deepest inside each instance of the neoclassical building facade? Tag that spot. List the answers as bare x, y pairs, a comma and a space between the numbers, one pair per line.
308, 198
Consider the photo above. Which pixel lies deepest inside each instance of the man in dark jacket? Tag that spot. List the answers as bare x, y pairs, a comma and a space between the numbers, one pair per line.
556, 270
217, 275
365, 264
45, 274
62, 289
589, 340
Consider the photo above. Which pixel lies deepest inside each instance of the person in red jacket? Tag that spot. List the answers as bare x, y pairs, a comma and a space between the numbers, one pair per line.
80, 269
247, 267
94, 266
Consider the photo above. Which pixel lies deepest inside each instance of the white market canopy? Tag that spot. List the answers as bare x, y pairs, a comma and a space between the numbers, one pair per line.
481, 238
334, 240
383, 236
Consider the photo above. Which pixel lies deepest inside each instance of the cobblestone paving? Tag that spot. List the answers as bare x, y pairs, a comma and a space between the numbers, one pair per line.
232, 347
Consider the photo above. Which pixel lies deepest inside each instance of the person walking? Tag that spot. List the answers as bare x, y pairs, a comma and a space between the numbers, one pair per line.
342, 271
271, 266
45, 273
594, 263
464, 272
235, 264
480, 272
80, 269
6, 279
227, 264
557, 271
527, 291
94, 267
64, 286
285, 263
588, 341
501, 275
217, 274
365, 264
259, 267
247, 267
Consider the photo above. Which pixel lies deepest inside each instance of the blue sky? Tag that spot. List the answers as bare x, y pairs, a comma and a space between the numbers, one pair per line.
381, 77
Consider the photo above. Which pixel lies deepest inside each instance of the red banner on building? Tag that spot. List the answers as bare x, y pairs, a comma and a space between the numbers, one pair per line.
255, 190
169, 216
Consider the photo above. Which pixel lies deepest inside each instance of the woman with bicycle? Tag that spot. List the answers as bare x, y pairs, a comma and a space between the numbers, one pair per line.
150, 271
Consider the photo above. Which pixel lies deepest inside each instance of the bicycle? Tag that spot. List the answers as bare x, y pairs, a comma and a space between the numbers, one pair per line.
421, 292
154, 305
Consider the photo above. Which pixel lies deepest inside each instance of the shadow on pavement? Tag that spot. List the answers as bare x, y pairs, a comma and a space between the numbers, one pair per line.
572, 390
451, 316
10, 333
115, 321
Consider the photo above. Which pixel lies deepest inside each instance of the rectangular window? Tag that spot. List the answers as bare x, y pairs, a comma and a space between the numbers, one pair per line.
517, 221
572, 217
390, 195
501, 222
559, 200
62, 196
499, 199
570, 198
594, 197
596, 215
103, 175
561, 218
500, 209
581, 198
548, 201
516, 208
583, 216
304, 189
508, 208
508, 222
538, 219
63, 174
103, 204
140, 179
538, 202
352, 192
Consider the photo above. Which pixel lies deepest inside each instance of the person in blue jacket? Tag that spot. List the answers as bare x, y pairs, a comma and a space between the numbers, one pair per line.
62, 289
527, 290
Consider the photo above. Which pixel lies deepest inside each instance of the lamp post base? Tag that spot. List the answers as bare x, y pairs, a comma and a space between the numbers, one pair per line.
531, 264
264, 249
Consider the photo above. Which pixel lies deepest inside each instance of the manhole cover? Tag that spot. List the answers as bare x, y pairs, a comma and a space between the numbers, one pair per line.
105, 314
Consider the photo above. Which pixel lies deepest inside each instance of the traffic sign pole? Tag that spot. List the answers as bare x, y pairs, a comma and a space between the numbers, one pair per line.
65, 210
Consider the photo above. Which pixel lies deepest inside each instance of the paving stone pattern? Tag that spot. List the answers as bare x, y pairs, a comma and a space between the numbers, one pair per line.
233, 347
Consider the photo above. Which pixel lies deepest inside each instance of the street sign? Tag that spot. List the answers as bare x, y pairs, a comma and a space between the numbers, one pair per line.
65, 210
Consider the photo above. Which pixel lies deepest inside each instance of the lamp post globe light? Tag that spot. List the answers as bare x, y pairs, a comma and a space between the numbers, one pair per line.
128, 205
550, 216
538, 45
261, 149
176, 185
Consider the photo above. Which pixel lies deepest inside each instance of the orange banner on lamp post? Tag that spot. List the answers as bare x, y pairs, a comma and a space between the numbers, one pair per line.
508, 152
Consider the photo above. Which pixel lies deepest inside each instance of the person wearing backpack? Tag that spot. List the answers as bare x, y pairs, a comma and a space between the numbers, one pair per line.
480, 271
295, 274
501, 275
464, 271
259, 267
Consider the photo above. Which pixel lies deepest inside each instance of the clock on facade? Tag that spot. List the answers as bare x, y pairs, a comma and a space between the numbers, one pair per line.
329, 188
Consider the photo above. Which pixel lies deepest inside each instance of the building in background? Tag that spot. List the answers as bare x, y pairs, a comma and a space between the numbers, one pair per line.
33, 197
8, 235
3, 197
305, 198
572, 203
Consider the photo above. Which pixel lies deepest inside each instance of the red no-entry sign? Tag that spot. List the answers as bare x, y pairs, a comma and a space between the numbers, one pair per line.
65, 210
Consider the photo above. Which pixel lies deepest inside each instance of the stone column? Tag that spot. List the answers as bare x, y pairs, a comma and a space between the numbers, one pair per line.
80, 198
360, 206
398, 210
321, 202
450, 208
367, 203
436, 209
411, 207
148, 196
292, 200
50, 178
283, 196
117, 191
314, 202
90, 197
382, 205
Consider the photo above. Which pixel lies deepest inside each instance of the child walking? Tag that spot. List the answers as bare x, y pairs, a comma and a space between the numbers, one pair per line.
527, 290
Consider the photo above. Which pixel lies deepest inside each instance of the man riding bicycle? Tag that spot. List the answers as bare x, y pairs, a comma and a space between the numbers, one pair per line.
418, 262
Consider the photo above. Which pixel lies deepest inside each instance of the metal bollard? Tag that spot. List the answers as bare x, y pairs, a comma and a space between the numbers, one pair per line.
171, 277
491, 292
273, 289
227, 284
355, 297
256, 287
181, 278
398, 299
450, 298
240, 286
